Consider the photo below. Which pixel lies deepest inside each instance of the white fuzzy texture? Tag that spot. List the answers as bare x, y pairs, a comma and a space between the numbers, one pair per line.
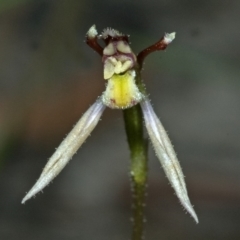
167, 156
68, 147
169, 37
92, 32
110, 32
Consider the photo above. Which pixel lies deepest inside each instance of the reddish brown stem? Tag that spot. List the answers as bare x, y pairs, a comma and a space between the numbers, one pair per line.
158, 46
93, 43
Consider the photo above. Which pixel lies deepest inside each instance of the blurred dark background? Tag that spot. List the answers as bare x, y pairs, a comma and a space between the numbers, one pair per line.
49, 77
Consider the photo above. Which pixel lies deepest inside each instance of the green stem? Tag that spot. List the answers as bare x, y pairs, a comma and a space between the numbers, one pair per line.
138, 148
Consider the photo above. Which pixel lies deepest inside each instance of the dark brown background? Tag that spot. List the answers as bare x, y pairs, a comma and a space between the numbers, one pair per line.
49, 77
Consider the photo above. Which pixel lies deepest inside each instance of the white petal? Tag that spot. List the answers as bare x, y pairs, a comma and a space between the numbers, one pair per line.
68, 147
167, 156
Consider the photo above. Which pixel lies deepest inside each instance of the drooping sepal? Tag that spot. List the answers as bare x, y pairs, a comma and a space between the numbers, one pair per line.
68, 147
166, 155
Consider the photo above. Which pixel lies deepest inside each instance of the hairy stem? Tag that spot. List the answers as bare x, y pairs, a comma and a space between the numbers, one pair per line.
138, 169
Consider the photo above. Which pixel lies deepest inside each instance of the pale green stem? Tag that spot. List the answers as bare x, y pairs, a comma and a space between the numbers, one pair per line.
138, 169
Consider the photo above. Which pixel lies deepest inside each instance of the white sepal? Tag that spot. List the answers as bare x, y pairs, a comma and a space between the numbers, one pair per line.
68, 147
167, 156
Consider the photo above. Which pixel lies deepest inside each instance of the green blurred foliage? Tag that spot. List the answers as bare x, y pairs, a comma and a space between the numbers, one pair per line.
7, 4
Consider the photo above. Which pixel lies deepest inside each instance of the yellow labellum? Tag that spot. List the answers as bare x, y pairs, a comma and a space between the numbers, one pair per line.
122, 91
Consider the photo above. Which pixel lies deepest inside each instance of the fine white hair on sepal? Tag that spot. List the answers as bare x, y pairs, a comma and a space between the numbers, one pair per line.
68, 147
167, 156
169, 37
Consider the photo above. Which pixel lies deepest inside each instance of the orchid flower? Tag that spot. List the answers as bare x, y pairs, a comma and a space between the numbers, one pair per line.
124, 89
